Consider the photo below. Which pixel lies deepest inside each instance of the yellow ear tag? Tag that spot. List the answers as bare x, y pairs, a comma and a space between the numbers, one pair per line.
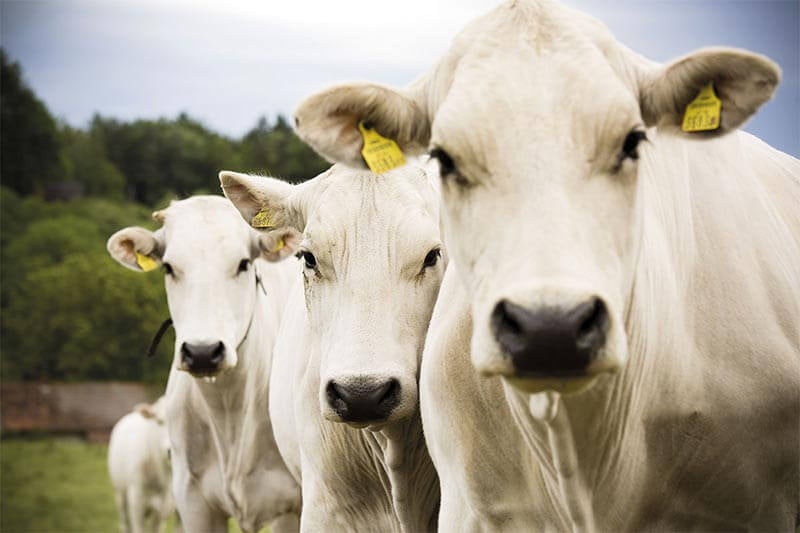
262, 220
279, 246
145, 263
380, 154
702, 114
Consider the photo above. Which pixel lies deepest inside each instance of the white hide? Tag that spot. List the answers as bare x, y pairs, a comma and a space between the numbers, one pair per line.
224, 457
689, 420
363, 311
138, 464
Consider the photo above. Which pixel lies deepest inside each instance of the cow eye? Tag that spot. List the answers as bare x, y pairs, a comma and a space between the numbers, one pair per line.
432, 258
447, 168
629, 147
310, 260
446, 165
243, 265
168, 269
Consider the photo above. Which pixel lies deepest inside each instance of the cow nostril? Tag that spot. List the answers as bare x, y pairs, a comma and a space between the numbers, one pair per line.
392, 390
593, 325
218, 354
507, 324
186, 356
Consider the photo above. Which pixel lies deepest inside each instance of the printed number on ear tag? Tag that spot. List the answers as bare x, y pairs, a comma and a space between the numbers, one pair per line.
262, 220
379, 153
702, 114
145, 263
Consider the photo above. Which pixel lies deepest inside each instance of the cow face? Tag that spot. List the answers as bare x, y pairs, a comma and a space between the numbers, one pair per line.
206, 252
373, 263
540, 122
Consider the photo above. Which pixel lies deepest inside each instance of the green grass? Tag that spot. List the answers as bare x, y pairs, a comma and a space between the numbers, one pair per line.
57, 485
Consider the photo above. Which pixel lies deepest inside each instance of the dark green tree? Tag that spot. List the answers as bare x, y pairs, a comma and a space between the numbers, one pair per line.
30, 148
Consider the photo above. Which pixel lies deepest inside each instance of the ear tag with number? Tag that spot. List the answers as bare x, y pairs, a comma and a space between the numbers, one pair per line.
379, 153
262, 220
702, 114
146, 263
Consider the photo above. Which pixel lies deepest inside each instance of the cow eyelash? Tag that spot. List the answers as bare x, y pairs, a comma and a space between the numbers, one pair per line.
447, 167
244, 264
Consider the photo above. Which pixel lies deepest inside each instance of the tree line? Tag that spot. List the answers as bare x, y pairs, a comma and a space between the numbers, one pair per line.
67, 310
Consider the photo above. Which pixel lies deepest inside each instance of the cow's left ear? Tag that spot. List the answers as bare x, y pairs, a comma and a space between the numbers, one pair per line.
136, 248
741, 80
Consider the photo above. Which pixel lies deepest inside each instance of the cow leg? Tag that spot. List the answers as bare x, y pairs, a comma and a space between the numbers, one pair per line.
196, 514
138, 510
286, 523
121, 501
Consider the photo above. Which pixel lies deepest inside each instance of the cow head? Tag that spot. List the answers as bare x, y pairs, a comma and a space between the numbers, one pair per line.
372, 260
541, 123
206, 252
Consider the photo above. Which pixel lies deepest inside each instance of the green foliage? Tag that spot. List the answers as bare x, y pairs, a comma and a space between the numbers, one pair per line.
98, 320
276, 151
69, 312
29, 141
88, 165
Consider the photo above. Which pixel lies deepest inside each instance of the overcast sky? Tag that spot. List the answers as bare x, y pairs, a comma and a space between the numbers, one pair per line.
229, 62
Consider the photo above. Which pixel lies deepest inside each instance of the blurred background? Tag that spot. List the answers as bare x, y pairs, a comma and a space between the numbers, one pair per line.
111, 109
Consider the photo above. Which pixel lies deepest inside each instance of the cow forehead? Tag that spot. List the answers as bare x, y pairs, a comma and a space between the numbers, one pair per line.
533, 99
351, 213
528, 75
205, 226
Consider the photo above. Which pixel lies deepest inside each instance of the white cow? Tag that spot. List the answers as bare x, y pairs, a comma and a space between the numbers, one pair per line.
138, 464
226, 304
343, 397
630, 308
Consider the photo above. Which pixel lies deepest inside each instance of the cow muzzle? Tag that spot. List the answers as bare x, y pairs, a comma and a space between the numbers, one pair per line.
559, 346
202, 359
362, 400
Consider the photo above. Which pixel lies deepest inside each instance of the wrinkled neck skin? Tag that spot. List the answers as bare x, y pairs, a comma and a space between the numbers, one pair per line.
379, 479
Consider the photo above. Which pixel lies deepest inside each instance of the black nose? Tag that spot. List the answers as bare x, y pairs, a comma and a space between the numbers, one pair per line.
202, 358
551, 341
363, 399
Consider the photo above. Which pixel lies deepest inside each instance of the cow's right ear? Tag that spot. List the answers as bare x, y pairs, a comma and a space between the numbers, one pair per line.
262, 201
136, 248
328, 121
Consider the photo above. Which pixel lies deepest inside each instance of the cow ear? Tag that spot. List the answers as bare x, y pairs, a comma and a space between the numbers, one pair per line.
741, 80
277, 245
328, 121
136, 248
263, 202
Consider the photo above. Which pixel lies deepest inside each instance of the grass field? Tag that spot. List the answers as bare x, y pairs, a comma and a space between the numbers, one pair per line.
56, 485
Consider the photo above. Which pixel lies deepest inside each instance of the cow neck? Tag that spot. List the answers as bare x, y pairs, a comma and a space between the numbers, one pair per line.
400, 449
563, 434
